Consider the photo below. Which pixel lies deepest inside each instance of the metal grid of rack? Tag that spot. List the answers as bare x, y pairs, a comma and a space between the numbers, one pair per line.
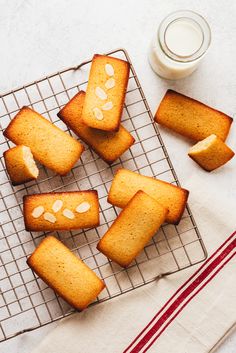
26, 302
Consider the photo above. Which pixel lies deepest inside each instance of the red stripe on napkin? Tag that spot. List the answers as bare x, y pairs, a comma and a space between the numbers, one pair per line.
195, 284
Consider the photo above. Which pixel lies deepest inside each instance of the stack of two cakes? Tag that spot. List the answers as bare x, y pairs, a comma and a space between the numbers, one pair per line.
95, 116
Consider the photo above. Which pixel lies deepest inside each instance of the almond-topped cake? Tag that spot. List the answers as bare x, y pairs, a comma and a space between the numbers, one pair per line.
133, 228
65, 273
108, 145
191, 118
126, 183
105, 93
51, 146
61, 210
20, 165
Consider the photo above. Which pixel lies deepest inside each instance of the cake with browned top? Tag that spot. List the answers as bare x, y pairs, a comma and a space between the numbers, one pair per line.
105, 94
191, 118
61, 210
211, 153
108, 145
134, 227
51, 146
65, 273
20, 165
126, 183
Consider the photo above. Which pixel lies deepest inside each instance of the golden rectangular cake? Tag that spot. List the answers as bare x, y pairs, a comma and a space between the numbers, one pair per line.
51, 146
105, 94
211, 153
126, 183
61, 210
108, 145
65, 273
191, 118
20, 165
134, 227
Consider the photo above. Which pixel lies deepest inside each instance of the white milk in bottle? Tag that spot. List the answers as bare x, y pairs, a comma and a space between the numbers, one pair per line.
179, 45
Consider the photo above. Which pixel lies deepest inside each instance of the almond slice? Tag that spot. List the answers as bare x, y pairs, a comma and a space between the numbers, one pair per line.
49, 217
57, 206
37, 211
110, 83
98, 113
109, 69
83, 207
107, 106
68, 213
100, 93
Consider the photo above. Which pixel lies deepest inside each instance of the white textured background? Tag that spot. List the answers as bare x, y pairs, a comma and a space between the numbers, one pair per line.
43, 36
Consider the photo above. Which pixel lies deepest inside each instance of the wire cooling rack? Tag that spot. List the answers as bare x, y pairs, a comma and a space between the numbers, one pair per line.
26, 302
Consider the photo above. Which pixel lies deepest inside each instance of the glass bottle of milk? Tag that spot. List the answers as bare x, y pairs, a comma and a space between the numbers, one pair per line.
182, 40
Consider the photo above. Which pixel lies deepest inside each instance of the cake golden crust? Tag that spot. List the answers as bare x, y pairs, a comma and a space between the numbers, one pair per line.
126, 183
20, 165
133, 228
108, 145
65, 273
211, 153
109, 120
191, 118
59, 220
50, 145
